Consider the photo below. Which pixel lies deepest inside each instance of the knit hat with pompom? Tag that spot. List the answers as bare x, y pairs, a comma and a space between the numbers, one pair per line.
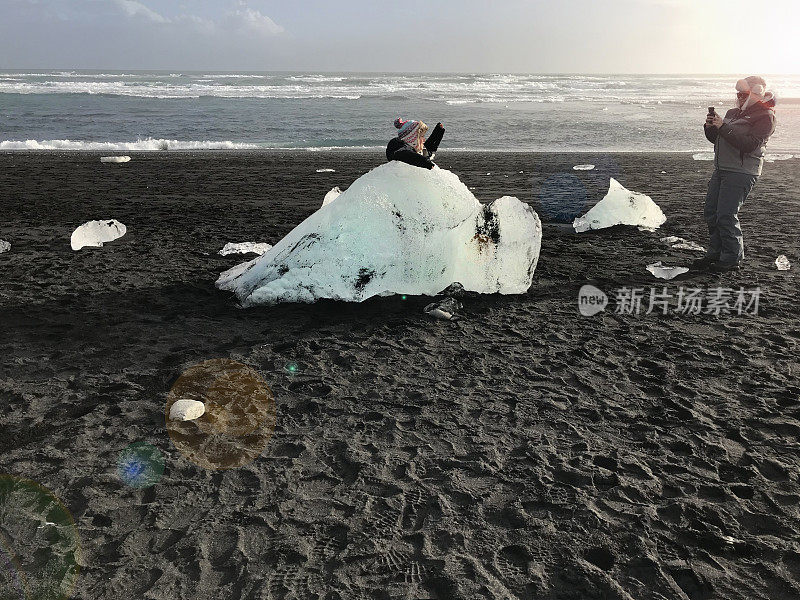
409, 130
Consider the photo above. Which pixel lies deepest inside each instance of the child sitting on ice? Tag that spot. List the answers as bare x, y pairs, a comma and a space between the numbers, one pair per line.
410, 145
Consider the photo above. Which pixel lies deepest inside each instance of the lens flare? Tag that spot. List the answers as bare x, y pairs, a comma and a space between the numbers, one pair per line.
239, 418
10, 582
39, 543
140, 465
292, 368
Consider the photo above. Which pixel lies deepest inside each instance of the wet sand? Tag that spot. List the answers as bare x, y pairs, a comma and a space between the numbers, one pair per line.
523, 452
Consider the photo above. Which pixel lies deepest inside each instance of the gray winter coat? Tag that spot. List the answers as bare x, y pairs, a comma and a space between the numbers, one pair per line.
741, 142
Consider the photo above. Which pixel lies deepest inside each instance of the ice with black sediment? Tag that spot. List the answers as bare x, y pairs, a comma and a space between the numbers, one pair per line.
398, 229
96, 233
446, 310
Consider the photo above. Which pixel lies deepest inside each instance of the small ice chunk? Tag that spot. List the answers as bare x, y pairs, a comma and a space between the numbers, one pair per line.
703, 156
672, 239
773, 157
678, 243
115, 159
331, 196
665, 272
444, 309
326, 170
663, 172
96, 233
647, 229
245, 248
186, 410
782, 263
687, 245
621, 206
4, 246
583, 168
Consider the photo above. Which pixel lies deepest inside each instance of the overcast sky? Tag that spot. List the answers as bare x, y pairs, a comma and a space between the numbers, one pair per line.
583, 36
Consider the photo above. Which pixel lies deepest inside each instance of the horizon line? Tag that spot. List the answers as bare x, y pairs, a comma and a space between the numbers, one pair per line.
389, 72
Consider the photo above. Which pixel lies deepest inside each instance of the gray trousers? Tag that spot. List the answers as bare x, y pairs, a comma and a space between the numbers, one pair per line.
727, 191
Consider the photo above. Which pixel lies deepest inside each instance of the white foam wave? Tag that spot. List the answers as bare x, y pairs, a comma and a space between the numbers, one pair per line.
236, 76
165, 91
316, 78
454, 89
147, 145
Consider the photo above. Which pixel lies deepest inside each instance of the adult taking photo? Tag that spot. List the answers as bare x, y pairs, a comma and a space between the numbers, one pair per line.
740, 140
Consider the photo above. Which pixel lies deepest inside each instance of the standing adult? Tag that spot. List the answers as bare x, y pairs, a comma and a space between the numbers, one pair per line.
740, 140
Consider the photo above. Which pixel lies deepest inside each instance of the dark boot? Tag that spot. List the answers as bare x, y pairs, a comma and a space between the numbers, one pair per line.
725, 267
705, 263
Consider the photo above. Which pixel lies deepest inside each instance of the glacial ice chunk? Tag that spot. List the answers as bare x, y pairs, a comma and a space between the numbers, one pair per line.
665, 272
115, 159
398, 229
244, 248
97, 233
331, 196
4, 246
583, 168
186, 410
782, 263
703, 156
326, 170
775, 157
621, 207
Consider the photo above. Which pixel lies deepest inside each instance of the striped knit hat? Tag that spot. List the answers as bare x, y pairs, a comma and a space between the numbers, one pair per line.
409, 130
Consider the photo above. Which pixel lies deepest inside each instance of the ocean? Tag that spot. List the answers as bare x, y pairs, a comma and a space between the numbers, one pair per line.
129, 111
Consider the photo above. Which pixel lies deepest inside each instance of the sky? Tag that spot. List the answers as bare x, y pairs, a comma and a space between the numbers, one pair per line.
561, 36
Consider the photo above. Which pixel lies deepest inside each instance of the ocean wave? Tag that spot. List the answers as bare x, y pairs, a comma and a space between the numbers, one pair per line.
196, 90
316, 78
147, 145
79, 75
455, 89
237, 76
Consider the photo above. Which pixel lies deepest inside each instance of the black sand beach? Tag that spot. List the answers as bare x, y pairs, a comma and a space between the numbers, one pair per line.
523, 452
